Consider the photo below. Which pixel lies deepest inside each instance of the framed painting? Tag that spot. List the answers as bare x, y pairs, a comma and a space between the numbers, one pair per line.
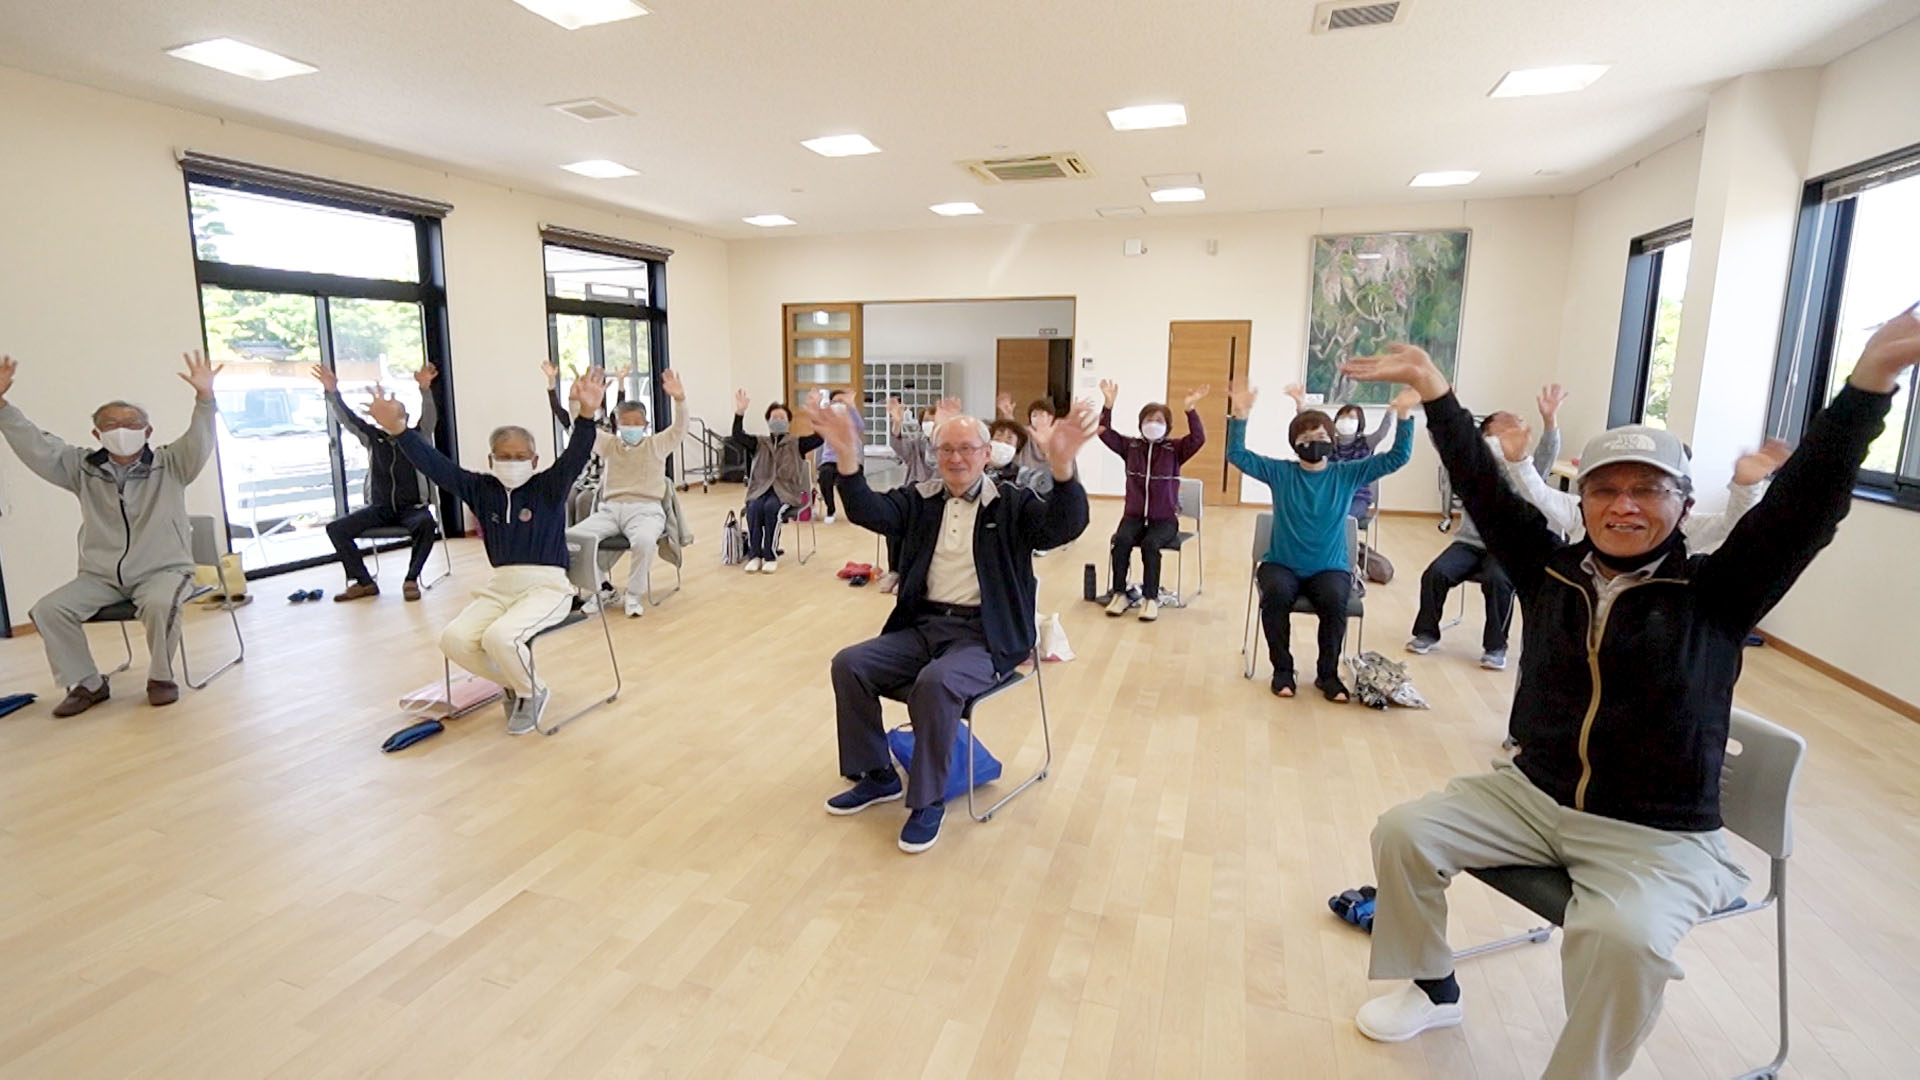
1372, 289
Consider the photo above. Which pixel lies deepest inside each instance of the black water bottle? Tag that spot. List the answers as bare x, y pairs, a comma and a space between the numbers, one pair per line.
1089, 582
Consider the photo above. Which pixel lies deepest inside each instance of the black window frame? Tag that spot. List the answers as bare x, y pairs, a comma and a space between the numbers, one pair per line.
1639, 317
653, 313
1816, 285
429, 291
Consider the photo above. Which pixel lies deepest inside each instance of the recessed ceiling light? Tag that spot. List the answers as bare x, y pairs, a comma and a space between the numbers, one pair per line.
240, 58
840, 145
768, 221
1172, 179
574, 14
1531, 82
955, 209
600, 169
1120, 212
1178, 194
1144, 117
1444, 178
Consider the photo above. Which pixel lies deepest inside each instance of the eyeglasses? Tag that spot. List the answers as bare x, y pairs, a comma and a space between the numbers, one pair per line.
1603, 494
959, 451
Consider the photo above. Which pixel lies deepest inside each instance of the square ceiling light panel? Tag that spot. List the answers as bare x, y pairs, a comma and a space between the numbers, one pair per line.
600, 169
841, 145
1533, 82
574, 14
1444, 178
1147, 117
955, 209
768, 221
240, 58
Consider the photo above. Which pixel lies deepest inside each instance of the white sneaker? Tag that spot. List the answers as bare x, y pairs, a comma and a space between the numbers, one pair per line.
1149, 611
769, 566
829, 520
1401, 1015
753, 566
634, 610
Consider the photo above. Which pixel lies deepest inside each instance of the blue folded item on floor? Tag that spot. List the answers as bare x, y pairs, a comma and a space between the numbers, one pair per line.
15, 702
986, 767
407, 736
1355, 906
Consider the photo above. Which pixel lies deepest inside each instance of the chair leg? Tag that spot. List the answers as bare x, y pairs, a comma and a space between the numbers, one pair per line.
1777, 897
1248, 639
126, 641
657, 600
240, 646
1046, 764
613, 661
446, 571
1536, 935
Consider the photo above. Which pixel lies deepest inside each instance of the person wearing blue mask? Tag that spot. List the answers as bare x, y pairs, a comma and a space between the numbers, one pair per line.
776, 477
634, 483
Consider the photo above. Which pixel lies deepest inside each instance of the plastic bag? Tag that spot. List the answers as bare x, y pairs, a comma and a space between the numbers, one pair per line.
1053, 638
1379, 682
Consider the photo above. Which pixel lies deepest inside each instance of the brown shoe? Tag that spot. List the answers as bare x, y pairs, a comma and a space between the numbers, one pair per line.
356, 591
410, 589
80, 699
160, 692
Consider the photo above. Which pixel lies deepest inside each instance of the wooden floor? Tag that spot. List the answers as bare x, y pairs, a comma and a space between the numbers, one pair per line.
244, 886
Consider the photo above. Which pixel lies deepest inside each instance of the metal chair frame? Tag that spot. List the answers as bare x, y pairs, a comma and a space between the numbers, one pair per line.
1013, 679
395, 532
124, 612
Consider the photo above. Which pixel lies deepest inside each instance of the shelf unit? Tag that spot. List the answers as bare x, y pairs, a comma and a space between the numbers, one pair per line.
919, 384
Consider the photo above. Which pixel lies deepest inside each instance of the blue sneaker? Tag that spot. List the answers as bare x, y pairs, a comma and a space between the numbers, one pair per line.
922, 829
866, 793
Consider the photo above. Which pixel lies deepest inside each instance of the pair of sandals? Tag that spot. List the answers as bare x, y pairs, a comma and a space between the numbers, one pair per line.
1332, 689
298, 595
1355, 906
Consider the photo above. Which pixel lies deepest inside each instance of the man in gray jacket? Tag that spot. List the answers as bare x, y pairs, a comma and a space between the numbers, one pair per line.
134, 537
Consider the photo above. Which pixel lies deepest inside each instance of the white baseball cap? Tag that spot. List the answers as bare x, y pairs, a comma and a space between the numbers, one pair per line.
1639, 444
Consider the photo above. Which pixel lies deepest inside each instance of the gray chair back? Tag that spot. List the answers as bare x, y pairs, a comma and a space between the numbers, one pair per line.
1193, 496
1262, 534
582, 568
206, 540
1756, 782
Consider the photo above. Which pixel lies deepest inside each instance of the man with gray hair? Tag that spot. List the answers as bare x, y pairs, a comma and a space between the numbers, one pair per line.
523, 519
133, 531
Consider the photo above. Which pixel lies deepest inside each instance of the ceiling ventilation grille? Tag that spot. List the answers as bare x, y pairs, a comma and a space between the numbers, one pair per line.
590, 109
1350, 15
1020, 170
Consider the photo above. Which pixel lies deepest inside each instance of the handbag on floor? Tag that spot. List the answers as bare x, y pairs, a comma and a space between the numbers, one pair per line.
1374, 566
733, 541
986, 767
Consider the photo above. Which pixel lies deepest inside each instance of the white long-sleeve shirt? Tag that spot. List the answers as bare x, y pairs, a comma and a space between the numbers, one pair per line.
1704, 532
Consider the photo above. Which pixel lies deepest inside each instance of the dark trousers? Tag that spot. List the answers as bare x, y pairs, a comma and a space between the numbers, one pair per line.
893, 554
415, 519
1149, 537
1327, 591
934, 666
1459, 563
763, 525
829, 476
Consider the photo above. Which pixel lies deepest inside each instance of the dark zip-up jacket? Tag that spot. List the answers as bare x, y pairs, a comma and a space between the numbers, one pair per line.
1010, 525
1626, 716
392, 481
523, 527
1153, 466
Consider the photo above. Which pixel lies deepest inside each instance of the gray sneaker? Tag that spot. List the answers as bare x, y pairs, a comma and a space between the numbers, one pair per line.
1494, 660
1422, 645
509, 701
525, 719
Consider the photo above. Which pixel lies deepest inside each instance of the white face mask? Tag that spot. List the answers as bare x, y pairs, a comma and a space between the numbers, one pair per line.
512, 474
1153, 431
1346, 425
123, 442
1000, 454
632, 435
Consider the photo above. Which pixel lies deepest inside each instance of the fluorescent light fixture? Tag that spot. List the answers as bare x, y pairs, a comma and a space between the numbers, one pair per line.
840, 145
768, 221
1532, 82
1145, 117
240, 58
1444, 178
574, 14
600, 169
955, 209
1178, 194
1120, 212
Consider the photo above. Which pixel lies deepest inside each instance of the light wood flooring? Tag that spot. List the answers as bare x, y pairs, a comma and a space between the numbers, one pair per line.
243, 885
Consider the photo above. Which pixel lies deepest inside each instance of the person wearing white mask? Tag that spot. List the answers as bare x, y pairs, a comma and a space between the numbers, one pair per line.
1151, 517
634, 485
523, 520
1004, 449
777, 478
133, 531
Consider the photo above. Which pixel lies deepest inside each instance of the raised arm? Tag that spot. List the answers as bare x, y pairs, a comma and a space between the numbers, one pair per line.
1057, 517
1110, 438
391, 416
1196, 436
1240, 399
1706, 532
1562, 508
429, 408
189, 453
1379, 433
47, 455
1379, 465
1547, 451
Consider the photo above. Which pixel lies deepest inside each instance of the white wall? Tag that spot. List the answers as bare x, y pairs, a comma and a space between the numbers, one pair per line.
1515, 292
97, 295
962, 334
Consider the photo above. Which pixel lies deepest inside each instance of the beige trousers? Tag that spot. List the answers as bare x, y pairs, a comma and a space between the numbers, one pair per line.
490, 637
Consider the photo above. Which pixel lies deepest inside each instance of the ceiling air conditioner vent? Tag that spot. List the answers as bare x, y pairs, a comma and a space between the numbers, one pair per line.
1018, 170
591, 109
1351, 15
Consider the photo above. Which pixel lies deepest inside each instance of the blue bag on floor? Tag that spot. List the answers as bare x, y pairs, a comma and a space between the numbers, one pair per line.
986, 767
13, 702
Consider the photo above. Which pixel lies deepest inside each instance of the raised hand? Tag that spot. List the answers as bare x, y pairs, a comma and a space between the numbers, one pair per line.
1404, 402
327, 379
1195, 395
1240, 398
1064, 438
945, 409
1892, 349
1298, 393
670, 382
7, 368
552, 373
387, 411
1760, 464
1110, 390
836, 427
620, 373
1400, 363
1549, 401
199, 374
590, 389
740, 400
895, 409
425, 376
1514, 437
1003, 405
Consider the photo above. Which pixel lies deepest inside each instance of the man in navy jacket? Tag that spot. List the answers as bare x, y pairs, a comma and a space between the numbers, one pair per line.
963, 616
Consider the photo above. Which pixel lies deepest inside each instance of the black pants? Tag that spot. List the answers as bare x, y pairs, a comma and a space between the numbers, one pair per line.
829, 476
1327, 591
934, 666
1149, 537
763, 525
893, 554
1451, 567
415, 519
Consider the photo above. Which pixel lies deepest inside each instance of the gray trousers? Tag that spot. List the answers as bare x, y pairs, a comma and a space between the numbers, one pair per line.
1636, 893
61, 615
934, 666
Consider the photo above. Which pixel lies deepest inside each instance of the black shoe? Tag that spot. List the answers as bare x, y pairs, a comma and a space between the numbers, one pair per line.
1282, 685
1333, 689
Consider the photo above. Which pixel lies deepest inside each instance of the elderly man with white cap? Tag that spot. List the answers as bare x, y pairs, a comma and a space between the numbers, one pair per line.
1632, 648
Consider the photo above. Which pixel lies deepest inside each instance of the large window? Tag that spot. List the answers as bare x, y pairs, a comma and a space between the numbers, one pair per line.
1650, 326
606, 308
1856, 264
292, 279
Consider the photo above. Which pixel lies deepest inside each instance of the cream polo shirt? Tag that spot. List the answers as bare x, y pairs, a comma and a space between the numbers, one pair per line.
953, 578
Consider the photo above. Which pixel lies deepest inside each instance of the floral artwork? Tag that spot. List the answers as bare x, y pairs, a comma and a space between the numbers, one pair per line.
1372, 289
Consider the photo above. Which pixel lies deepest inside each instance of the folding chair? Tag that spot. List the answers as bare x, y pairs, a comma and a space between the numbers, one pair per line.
619, 542
1756, 803
581, 505
1192, 505
811, 507
399, 532
206, 552
1356, 605
1013, 679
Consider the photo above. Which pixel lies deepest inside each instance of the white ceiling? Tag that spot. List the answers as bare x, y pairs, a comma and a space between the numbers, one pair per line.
726, 89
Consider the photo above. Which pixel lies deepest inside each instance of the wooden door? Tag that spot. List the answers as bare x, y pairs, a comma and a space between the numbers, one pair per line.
1021, 369
1209, 353
823, 353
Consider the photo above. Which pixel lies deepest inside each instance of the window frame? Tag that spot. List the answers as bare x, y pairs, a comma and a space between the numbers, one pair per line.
1639, 318
653, 314
1810, 320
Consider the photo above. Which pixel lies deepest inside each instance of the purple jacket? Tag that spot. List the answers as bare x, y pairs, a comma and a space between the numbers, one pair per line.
1153, 468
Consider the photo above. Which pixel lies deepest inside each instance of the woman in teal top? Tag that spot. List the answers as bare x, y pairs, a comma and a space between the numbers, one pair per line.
1308, 553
